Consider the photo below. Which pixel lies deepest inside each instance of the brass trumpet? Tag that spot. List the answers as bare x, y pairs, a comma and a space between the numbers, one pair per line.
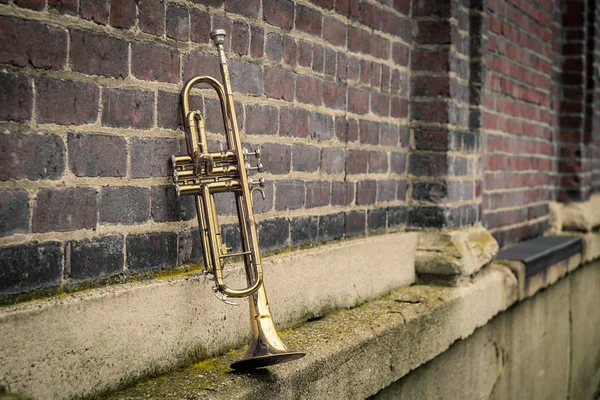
202, 173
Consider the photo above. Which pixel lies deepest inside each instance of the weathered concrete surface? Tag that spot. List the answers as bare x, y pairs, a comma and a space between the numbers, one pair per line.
94, 341
543, 348
583, 217
460, 252
351, 354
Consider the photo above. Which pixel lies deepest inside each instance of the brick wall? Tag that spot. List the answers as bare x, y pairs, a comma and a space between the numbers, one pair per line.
519, 164
90, 116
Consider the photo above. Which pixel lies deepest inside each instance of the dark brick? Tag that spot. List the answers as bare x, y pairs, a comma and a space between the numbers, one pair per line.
261, 120
14, 212
428, 164
124, 205
279, 84
321, 126
377, 219
225, 203
95, 258
342, 193
28, 43
64, 6
400, 54
396, 216
29, 266
358, 101
331, 226
330, 60
94, 10
386, 190
290, 51
318, 194
16, 97
152, 62
231, 237
214, 116
169, 109
354, 223
318, 58
124, 108
151, 251
97, 155
401, 190
37, 5
352, 134
189, 247
304, 229
437, 111
178, 22
273, 233
265, 205
434, 61
309, 20
246, 77
65, 210
210, 3
378, 162
257, 41
152, 16
356, 161
201, 64
240, 39
31, 156
427, 217
332, 160
149, 157
279, 13
309, 90
276, 158
433, 32
342, 65
122, 13
380, 104
199, 20
274, 47
289, 195
305, 158
96, 54
369, 132
167, 207
389, 135
293, 122
247, 8
304, 53
77, 103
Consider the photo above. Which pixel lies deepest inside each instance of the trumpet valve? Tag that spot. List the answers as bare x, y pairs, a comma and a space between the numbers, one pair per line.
255, 153
258, 168
259, 183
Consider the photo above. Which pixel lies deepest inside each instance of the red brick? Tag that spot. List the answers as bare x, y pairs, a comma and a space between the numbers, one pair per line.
327, 4
318, 58
342, 193
332, 160
97, 155
247, 8
26, 43
398, 163
370, 15
309, 20
16, 97
304, 53
124, 108
353, 68
152, 16
366, 67
330, 60
305, 158
199, 20
64, 6
76, 105
378, 162
380, 104
246, 77
154, 62
352, 134
334, 31
178, 23
257, 39
342, 7
358, 100
261, 120
289, 50
149, 157
403, 6
279, 84
169, 109
94, 10
376, 76
276, 158
96, 54
342, 65
309, 90
293, 122
399, 107
369, 132
366, 192
200, 64
279, 13
318, 194
290, 195
321, 126
33, 157
400, 54
386, 190
356, 161
240, 40
334, 95
359, 40
389, 135
122, 13
274, 47
341, 128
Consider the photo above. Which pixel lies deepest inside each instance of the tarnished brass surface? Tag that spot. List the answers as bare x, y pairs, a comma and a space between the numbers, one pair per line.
202, 174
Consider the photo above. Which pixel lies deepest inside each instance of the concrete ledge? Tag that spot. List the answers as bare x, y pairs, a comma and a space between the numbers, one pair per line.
95, 341
454, 253
351, 354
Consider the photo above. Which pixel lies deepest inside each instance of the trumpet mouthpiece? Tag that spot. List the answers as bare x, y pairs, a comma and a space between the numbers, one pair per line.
218, 36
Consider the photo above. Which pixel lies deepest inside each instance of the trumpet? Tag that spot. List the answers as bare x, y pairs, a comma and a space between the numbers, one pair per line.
202, 174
